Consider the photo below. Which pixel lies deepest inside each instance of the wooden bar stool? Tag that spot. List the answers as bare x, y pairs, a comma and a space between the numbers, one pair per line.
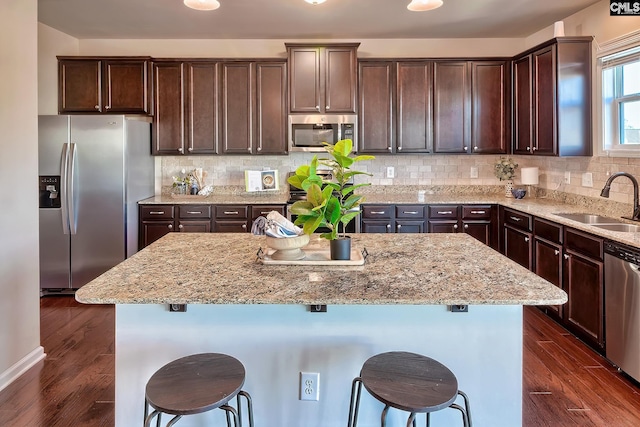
196, 384
409, 382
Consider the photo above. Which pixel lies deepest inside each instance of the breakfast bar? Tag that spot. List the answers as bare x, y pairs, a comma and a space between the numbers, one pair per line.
400, 299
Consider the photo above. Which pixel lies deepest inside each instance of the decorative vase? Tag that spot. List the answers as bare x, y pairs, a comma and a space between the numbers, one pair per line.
340, 248
508, 186
288, 248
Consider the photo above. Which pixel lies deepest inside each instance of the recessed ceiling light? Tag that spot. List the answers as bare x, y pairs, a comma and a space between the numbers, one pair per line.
315, 1
202, 4
422, 5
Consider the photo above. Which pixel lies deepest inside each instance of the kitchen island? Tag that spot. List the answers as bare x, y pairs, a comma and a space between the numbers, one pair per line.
398, 300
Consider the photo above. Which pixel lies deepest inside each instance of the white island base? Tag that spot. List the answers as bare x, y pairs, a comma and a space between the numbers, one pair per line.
276, 342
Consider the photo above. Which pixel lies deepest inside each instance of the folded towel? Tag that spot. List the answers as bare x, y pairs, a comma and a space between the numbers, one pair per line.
279, 226
259, 225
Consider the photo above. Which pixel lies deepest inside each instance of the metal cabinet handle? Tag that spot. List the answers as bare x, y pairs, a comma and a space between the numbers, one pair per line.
389, 148
231, 212
410, 212
478, 212
535, 148
455, 226
97, 107
108, 107
399, 226
318, 107
378, 212
557, 252
526, 239
170, 226
465, 148
180, 226
156, 213
194, 212
516, 219
445, 212
180, 150
244, 226
259, 148
399, 147
327, 107
264, 213
190, 149
528, 148
388, 225
466, 226
566, 256
475, 148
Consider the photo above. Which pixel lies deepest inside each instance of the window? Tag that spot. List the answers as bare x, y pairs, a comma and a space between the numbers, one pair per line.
620, 108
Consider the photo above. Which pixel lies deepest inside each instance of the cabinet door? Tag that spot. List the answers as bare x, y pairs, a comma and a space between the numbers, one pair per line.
414, 100
339, 79
377, 226
236, 126
522, 106
481, 230
194, 226
375, 121
150, 231
451, 107
79, 86
548, 265
584, 310
439, 226
126, 84
544, 86
201, 87
304, 80
490, 117
517, 246
271, 108
238, 226
409, 226
168, 123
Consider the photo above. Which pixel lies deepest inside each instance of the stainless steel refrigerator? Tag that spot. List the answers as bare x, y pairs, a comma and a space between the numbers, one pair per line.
92, 172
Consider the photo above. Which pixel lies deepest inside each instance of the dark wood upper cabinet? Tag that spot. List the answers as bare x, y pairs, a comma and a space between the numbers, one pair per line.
376, 123
322, 79
451, 108
202, 107
552, 99
168, 123
414, 106
103, 85
236, 109
271, 108
490, 113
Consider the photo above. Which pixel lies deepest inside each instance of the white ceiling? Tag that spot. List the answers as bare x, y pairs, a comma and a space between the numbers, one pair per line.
295, 19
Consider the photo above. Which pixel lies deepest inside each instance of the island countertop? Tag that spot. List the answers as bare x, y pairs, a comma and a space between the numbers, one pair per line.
410, 269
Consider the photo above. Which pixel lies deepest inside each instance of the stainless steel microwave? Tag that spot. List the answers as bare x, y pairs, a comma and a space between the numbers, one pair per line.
308, 132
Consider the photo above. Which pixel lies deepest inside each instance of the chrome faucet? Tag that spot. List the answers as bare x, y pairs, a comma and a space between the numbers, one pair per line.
607, 187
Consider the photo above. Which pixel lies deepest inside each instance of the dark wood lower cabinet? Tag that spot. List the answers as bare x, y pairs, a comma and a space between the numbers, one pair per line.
549, 266
517, 246
150, 231
410, 226
202, 226
480, 230
230, 226
377, 226
440, 226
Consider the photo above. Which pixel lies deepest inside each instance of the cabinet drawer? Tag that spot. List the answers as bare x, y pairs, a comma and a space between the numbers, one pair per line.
518, 219
410, 211
547, 230
583, 243
156, 212
194, 211
263, 210
377, 211
443, 211
476, 212
232, 211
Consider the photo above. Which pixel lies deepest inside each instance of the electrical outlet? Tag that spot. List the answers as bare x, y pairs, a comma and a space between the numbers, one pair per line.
391, 172
309, 386
567, 177
587, 179
474, 172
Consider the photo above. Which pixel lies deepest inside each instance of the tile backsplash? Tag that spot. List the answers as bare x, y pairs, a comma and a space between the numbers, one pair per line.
424, 170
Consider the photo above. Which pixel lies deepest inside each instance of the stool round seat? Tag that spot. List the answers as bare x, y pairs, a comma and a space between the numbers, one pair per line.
195, 384
410, 382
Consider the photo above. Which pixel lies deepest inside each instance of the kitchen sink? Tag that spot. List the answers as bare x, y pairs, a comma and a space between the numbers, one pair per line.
590, 218
628, 228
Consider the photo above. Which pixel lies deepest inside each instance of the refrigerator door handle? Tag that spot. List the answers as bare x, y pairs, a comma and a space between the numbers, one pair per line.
71, 182
64, 174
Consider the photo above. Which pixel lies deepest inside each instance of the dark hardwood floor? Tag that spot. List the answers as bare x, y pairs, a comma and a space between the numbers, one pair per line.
565, 383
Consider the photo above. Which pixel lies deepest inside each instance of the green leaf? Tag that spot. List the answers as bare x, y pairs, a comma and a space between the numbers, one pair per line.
343, 161
346, 218
352, 201
310, 226
313, 179
314, 195
303, 170
343, 147
332, 212
301, 207
363, 157
296, 181
347, 190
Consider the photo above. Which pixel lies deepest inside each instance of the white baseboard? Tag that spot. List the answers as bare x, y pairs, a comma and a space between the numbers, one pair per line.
22, 366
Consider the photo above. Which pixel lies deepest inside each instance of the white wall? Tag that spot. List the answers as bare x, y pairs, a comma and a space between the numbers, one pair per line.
51, 43
19, 287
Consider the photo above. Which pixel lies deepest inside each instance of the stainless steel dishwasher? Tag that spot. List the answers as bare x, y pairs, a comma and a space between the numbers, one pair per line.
622, 307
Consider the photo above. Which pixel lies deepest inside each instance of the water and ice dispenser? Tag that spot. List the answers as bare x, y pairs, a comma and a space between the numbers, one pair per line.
49, 191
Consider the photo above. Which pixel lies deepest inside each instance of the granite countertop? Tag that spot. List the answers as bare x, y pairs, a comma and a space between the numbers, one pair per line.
265, 198
221, 268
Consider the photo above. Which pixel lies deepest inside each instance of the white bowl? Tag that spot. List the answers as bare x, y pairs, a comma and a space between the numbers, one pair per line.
288, 248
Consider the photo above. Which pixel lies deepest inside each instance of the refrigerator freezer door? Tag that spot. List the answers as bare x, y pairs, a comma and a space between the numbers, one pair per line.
98, 196
53, 134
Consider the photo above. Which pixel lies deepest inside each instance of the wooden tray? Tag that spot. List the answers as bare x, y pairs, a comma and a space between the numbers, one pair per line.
314, 256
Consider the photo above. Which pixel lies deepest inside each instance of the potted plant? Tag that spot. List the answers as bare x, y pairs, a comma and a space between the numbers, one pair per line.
330, 204
505, 170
